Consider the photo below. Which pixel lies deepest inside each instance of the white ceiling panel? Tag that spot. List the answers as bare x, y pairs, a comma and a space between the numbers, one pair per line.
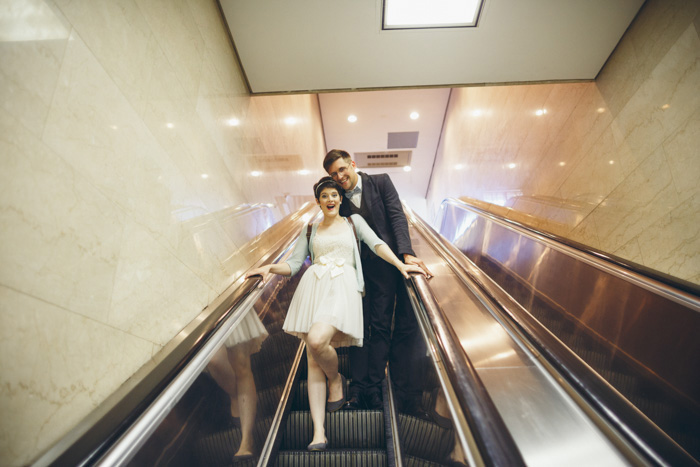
314, 45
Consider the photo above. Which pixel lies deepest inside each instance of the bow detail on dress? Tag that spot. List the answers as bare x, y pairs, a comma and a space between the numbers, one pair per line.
324, 264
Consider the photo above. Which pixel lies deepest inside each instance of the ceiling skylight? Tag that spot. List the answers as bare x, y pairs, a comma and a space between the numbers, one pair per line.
416, 14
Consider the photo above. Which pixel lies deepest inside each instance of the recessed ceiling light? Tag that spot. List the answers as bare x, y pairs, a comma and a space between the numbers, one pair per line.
290, 120
352, 118
512, 165
256, 173
304, 172
540, 112
406, 168
409, 14
169, 125
414, 115
233, 122
205, 176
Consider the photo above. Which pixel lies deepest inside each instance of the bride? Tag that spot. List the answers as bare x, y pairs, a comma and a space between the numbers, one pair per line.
326, 310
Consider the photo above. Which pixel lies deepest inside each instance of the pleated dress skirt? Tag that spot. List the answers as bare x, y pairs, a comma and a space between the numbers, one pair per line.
327, 294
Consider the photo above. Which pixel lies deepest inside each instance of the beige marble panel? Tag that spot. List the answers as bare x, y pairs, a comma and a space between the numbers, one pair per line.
31, 57
61, 237
120, 40
666, 99
55, 367
682, 151
586, 233
672, 243
155, 294
639, 201
596, 175
631, 251
177, 33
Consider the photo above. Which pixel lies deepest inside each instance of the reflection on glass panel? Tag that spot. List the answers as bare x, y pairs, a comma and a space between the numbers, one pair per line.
426, 429
225, 416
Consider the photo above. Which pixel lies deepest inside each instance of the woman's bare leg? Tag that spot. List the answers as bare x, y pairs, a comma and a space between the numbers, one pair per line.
323, 364
318, 342
247, 397
220, 369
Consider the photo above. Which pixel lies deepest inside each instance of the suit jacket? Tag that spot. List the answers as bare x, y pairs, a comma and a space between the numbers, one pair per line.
387, 213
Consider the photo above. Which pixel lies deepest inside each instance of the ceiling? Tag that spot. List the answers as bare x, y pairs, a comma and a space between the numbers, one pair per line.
321, 46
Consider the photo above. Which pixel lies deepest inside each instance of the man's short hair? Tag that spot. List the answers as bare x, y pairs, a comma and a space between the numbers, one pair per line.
333, 155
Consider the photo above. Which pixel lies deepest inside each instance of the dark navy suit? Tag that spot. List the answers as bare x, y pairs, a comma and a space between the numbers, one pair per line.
384, 288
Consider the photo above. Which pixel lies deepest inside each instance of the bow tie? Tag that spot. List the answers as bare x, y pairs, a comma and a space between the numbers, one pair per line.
355, 191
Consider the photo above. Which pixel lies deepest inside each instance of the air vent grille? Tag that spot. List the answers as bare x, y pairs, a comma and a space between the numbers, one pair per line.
379, 159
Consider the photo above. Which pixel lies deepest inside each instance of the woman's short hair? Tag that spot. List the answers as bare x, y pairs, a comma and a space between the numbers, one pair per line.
325, 182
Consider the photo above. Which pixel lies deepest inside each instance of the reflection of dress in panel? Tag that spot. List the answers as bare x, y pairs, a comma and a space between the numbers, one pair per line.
249, 334
331, 290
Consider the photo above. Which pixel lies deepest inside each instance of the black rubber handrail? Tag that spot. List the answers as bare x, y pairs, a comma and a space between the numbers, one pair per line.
96, 440
652, 443
636, 268
492, 437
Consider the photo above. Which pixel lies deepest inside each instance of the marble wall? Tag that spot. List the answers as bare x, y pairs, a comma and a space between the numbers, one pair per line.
128, 146
613, 164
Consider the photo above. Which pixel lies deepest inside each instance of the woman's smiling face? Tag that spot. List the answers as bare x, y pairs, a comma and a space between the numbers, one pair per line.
330, 201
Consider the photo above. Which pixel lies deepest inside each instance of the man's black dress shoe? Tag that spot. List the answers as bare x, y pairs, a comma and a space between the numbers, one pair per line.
373, 401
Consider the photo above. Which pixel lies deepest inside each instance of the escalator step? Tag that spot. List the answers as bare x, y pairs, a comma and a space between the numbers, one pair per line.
411, 461
425, 439
347, 458
218, 448
356, 429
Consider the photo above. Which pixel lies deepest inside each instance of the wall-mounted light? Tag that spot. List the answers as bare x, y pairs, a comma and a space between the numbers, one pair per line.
477, 113
256, 173
233, 122
169, 125
304, 172
205, 175
540, 112
290, 121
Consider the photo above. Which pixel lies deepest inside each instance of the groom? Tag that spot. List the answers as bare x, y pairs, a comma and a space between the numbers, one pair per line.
376, 200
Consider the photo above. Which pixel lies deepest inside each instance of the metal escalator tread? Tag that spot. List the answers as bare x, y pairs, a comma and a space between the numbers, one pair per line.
342, 458
345, 429
424, 439
219, 447
411, 461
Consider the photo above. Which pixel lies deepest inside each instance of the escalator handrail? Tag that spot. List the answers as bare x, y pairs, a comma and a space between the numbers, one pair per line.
493, 439
671, 287
105, 426
643, 435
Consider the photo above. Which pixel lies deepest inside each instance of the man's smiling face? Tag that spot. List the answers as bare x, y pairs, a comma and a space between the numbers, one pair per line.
343, 173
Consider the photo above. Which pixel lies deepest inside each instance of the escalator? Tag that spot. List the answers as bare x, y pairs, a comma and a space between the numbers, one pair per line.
508, 378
